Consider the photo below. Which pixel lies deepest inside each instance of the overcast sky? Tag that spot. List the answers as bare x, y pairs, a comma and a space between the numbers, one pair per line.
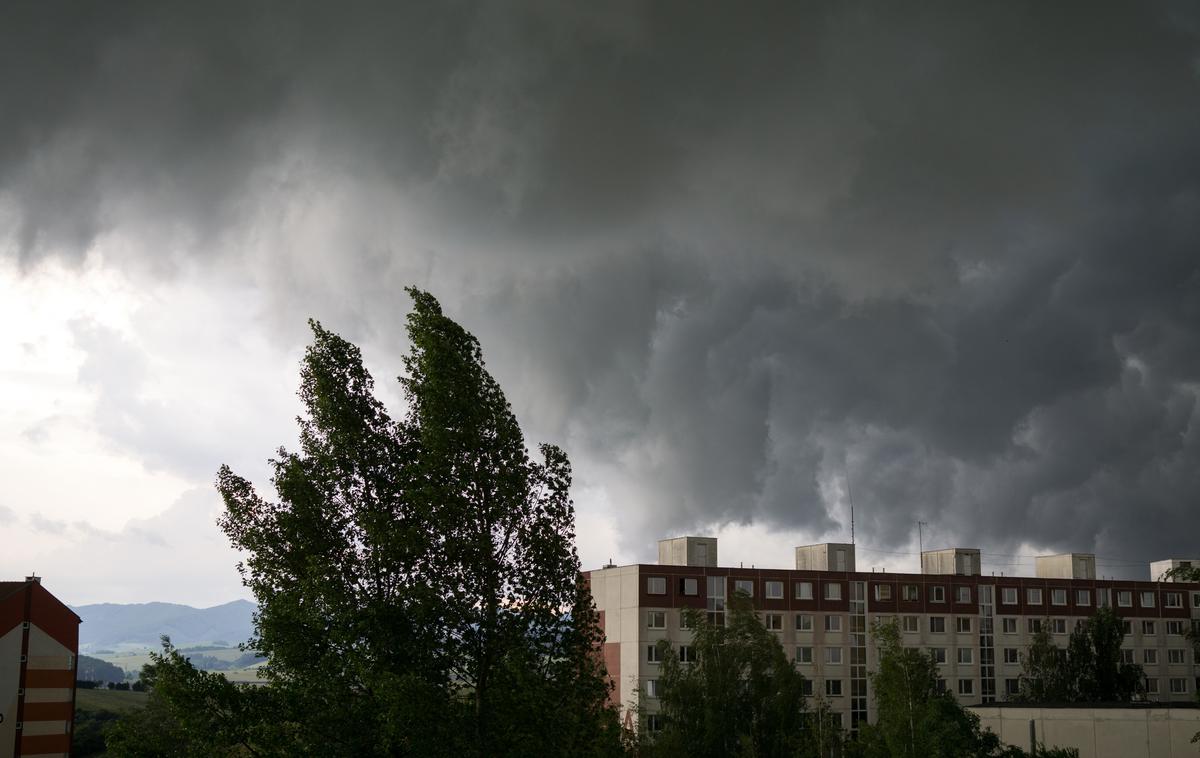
731, 257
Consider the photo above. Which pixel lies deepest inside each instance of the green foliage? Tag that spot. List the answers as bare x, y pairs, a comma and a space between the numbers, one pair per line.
88, 734
741, 696
95, 670
193, 713
418, 587
915, 718
1089, 670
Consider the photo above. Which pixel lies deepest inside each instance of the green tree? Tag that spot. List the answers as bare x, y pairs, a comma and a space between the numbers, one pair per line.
740, 696
418, 588
1045, 677
1089, 670
915, 717
191, 713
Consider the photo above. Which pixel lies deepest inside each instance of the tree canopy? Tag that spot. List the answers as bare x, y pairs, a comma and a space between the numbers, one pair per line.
738, 694
417, 583
1088, 670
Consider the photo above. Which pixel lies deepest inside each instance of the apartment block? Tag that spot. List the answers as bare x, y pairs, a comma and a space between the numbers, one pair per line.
39, 646
976, 626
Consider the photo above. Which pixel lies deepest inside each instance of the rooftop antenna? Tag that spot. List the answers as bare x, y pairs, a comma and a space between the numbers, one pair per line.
850, 497
921, 544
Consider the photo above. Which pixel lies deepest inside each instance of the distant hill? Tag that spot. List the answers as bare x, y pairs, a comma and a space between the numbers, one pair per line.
96, 670
113, 626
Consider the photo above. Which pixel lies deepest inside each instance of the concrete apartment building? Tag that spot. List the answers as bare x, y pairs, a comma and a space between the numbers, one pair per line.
976, 626
39, 646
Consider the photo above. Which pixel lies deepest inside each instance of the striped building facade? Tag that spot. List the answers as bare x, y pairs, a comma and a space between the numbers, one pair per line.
39, 645
976, 626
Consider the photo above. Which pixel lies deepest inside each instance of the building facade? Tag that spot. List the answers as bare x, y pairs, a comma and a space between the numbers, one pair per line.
39, 646
976, 626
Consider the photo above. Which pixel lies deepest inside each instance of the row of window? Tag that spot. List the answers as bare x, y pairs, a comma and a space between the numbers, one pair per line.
773, 590
964, 655
937, 624
833, 687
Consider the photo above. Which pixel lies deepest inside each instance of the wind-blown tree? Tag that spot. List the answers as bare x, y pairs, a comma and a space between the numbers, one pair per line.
1088, 670
418, 586
740, 697
917, 719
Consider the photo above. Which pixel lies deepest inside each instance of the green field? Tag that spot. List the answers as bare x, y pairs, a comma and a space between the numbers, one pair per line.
114, 701
133, 660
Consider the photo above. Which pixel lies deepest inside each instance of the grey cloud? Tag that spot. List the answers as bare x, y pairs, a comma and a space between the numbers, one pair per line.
40, 523
726, 256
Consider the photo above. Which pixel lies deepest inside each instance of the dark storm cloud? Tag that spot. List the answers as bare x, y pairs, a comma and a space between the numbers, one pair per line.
728, 256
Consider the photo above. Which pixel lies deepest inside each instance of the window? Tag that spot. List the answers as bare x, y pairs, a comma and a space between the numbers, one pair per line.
833, 656
1150, 655
966, 656
1175, 655
938, 654
1151, 686
1126, 655
966, 686
910, 592
1058, 596
1178, 686
653, 654
656, 585
937, 594
1033, 596
1172, 600
804, 655
912, 624
833, 687
656, 619
1012, 655
1124, 598
1035, 626
1060, 626
773, 590
1148, 599
833, 623
883, 592
937, 624
1147, 627
833, 591
651, 688
687, 654
804, 591
806, 687
962, 594
963, 624
1104, 597
774, 622
1175, 627
1008, 595
744, 585
689, 586
1012, 687
1083, 597
654, 722
1196, 599
804, 622
1009, 625
715, 603
1126, 626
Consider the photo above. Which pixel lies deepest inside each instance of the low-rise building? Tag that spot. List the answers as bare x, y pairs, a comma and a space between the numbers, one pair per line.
976, 626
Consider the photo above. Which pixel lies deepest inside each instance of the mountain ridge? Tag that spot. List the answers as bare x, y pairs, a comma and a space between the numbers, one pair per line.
116, 625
